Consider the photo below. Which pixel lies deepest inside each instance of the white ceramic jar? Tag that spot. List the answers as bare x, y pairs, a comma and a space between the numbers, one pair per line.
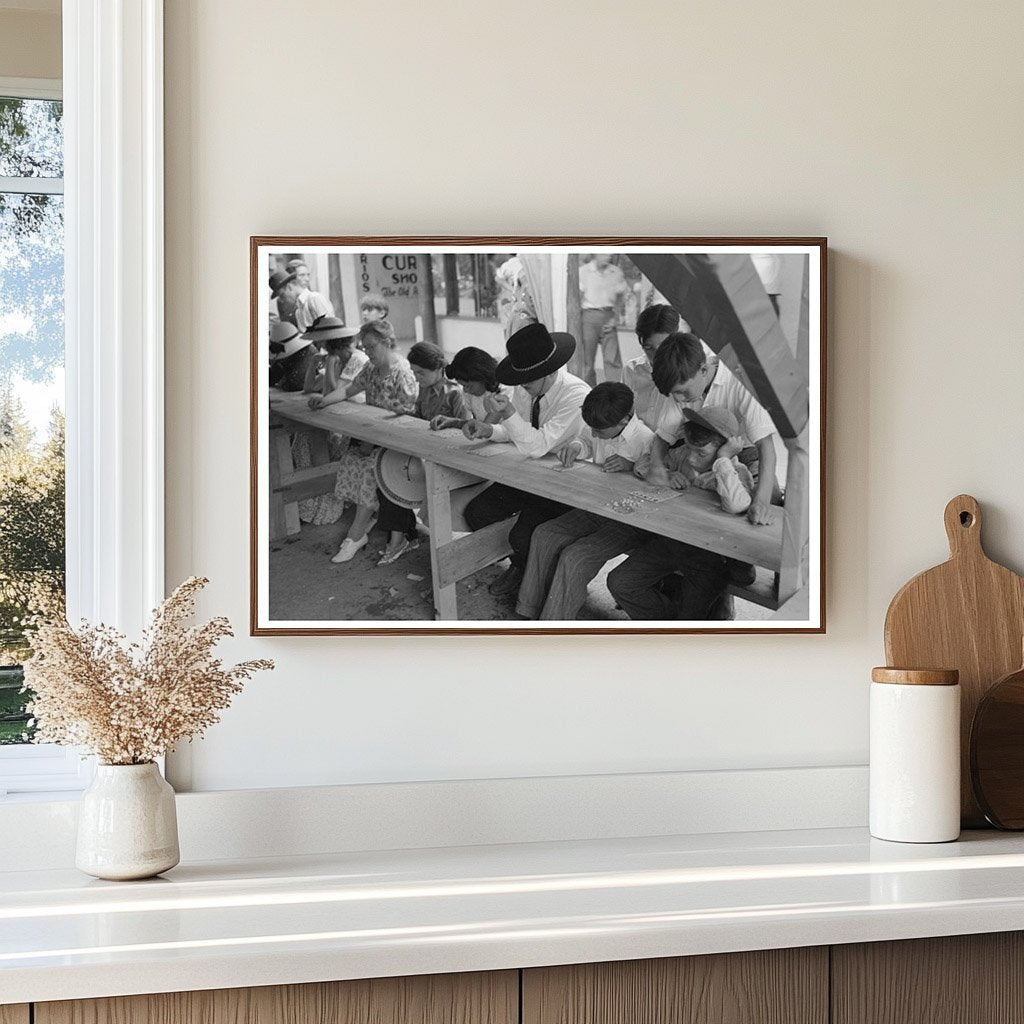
915, 755
127, 823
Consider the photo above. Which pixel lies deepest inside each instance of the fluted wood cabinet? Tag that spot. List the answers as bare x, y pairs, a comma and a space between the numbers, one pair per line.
960, 979
431, 999
972, 979
775, 986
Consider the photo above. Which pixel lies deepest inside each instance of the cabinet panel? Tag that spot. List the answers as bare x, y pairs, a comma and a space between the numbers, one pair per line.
961, 979
14, 1014
482, 998
778, 986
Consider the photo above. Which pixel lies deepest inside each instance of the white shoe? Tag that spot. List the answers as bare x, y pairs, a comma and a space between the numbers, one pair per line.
348, 549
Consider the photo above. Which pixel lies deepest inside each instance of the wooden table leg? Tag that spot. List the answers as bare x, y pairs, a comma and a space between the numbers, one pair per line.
284, 515
319, 447
792, 575
439, 513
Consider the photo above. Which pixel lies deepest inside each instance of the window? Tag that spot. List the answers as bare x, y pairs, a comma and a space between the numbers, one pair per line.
473, 284
32, 532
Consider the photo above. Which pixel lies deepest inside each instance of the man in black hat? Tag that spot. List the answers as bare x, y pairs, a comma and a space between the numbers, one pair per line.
543, 414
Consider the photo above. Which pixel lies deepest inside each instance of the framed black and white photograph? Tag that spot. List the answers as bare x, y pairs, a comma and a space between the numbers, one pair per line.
536, 435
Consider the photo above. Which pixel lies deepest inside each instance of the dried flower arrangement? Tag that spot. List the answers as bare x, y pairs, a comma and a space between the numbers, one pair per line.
129, 704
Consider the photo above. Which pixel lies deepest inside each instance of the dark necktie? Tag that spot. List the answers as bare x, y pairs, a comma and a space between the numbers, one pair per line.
535, 413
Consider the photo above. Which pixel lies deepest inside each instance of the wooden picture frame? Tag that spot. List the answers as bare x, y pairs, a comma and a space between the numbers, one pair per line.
773, 343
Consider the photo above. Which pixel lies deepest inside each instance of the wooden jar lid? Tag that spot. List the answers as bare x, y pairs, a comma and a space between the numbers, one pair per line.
916, 676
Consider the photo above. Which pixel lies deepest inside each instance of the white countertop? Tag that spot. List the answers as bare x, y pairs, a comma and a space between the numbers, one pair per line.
224, 924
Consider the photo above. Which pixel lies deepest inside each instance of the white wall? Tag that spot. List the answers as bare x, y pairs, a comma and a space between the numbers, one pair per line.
894, 129
30, 42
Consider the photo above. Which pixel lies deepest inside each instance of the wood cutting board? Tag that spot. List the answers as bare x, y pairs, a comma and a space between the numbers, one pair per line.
967, 614
997, 752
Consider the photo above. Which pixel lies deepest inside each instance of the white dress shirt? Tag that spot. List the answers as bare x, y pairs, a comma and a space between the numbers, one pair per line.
725, 391
308, 307
632, 444
649, 401
600, 289
560, 417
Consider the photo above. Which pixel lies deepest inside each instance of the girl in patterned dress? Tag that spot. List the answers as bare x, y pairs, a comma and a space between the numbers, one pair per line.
438, 397
388, 383
473, 370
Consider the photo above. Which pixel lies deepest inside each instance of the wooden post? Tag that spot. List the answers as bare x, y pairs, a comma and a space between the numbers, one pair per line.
451, 283
439, 512
574, 312
803, 332
723, 300
336, 290
792, 575
284, 516
425, 274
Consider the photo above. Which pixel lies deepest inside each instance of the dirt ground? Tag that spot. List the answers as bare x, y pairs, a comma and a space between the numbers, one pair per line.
306, 585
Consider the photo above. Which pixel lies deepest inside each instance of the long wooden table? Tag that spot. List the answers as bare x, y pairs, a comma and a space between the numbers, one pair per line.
693, 516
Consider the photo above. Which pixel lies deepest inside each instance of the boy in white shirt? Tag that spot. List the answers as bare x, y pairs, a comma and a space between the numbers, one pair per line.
568, 552
653, 326
695, 380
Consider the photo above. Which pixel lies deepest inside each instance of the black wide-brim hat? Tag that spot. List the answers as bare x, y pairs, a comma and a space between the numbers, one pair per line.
278, 279
534, 352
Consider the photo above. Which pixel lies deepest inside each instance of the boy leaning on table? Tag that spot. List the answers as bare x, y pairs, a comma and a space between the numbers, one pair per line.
541, 416
568, 552
665, 578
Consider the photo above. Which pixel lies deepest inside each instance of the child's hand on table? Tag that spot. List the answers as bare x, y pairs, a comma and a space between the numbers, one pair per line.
477, 430
657, 477
440, 422
570, 453
316, 402
678, 481
499, 405
617, 464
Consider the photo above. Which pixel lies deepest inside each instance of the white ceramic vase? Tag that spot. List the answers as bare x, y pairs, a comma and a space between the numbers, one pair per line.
127, 825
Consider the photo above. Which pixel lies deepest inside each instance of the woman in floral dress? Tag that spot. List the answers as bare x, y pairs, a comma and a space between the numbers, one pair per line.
336, 363
388, 381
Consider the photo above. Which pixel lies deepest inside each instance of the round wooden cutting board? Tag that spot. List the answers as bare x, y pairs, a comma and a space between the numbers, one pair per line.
997, 752
967, 614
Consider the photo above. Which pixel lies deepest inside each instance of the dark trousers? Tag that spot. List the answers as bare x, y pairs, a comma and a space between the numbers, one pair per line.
636, 584
394, 518
499, 502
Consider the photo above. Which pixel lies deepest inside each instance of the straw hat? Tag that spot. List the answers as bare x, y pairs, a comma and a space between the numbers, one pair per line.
287, 335
402, 479
330, 328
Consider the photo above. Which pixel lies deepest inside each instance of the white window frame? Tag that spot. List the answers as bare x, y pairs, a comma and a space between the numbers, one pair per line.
38, 767
114, 344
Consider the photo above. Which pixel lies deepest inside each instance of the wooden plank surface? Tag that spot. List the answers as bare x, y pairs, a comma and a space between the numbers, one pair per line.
693, 516
481, 998
961, 979
781, 986
967, 614
469, 554
14, 1014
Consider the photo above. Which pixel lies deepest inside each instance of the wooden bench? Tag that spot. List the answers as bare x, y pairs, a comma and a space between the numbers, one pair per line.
693, 516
